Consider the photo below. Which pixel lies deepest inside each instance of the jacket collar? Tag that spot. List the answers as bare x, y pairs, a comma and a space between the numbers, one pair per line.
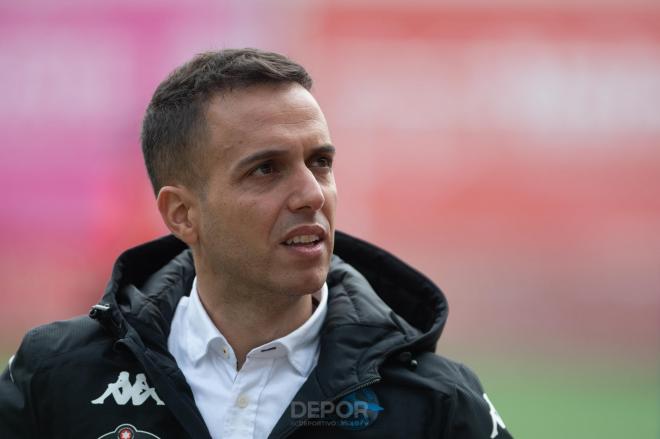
368, 286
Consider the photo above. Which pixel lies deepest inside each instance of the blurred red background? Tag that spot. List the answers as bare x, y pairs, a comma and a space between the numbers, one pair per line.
512, 152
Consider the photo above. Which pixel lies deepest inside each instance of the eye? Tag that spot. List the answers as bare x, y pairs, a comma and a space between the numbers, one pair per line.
322, 162
263, 169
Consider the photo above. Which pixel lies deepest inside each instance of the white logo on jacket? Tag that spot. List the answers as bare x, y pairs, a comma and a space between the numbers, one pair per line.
122, 390
497, 419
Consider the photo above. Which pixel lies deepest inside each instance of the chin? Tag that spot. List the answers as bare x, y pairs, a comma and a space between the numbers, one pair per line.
307, 283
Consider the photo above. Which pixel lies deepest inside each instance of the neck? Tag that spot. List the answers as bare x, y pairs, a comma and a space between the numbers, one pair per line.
249, 318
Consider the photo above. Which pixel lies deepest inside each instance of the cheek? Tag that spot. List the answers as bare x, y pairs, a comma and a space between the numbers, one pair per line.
257, 215
330, 203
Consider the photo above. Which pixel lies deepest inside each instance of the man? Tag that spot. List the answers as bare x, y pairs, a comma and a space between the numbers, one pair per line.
243, 323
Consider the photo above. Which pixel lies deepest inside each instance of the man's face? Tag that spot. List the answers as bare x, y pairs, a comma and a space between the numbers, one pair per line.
267, 216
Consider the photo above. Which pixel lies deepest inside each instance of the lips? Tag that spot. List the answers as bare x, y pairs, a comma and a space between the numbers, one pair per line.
308, 235
303, 240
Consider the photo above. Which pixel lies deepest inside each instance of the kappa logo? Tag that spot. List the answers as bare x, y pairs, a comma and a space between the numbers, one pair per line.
497, 419
123, 391
127, 431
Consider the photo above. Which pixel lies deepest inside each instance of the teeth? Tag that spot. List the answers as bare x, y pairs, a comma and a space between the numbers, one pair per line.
302, 239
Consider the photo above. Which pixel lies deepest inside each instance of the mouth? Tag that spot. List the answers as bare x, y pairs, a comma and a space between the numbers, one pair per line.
303, 241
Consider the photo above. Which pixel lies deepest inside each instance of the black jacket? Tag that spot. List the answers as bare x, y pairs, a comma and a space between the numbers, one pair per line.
377, 374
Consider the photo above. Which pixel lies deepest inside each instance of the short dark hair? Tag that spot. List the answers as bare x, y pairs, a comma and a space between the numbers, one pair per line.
174, 124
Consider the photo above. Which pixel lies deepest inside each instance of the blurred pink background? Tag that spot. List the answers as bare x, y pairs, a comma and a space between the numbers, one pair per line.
512, 153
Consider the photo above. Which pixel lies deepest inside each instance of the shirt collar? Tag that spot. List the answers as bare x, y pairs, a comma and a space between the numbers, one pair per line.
202, 332
300, 346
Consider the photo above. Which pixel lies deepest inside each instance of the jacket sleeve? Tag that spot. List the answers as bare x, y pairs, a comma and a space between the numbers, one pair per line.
17, 420
472, 414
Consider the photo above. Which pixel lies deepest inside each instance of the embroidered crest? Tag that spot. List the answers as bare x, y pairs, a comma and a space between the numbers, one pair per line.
128, 431
122, 391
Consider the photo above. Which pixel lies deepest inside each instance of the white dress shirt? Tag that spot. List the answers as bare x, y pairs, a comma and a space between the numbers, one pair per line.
247, 403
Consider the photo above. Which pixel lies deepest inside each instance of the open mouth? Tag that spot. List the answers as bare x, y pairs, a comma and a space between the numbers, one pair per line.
303, 241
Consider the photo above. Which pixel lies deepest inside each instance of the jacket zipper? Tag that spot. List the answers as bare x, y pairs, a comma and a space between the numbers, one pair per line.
355, 388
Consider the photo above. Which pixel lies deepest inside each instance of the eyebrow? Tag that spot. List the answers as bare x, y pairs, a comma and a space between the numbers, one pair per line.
274, 153
325, 149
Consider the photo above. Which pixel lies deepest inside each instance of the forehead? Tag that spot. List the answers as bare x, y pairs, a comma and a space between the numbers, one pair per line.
264, 115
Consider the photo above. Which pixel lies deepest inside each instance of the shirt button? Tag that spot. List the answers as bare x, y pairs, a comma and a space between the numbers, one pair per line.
243, 401
225, 352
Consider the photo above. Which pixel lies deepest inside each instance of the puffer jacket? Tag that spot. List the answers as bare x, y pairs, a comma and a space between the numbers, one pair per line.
110, 375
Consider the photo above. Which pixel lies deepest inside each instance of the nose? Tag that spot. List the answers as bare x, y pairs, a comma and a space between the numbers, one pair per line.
306, 192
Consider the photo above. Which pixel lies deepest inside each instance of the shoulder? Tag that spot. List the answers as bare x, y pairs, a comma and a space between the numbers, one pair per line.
434, 372
46, 344
58, 348
467, 411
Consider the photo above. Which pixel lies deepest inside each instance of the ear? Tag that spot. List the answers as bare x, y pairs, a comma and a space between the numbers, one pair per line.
178, 208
